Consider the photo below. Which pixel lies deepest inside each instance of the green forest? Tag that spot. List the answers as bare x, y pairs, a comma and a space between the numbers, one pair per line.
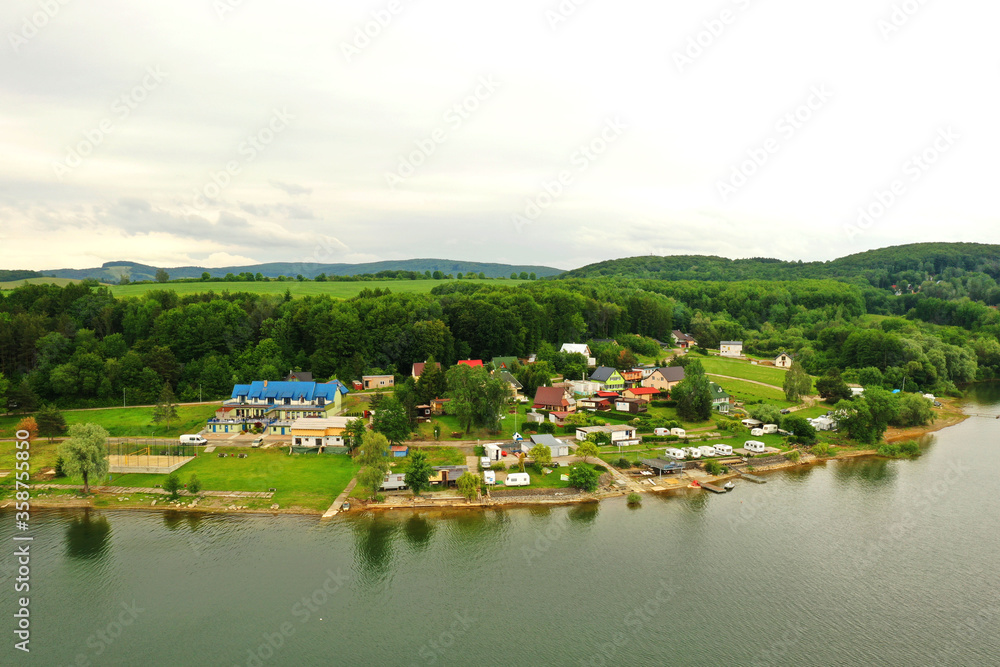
925, 323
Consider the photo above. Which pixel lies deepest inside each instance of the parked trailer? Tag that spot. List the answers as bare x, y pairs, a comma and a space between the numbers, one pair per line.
724, 450
769, 428
518, 479
679, 432
707, 450
676, 454
754, 446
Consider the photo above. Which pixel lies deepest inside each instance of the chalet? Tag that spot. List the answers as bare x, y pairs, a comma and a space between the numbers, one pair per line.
504, 363
298, 376
594, 403
665, 379
645, 394
273, 406
319, 432
472, 363
631, 405
551, 398
378, 381
418, 368
731, 348
558, 447
720, 399
609, 378
783, 360
621, 434
579, 348
683, 340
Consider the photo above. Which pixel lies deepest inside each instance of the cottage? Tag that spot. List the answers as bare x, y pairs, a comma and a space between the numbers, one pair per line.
438, 405
512, 382
399, 451
378, 381
551, 398
394, 481
594, 403
645, 394
621, 434
682, 340
720, 399
665, 378
557, 446
783, 360
472, 363
418, 368
423, 412
493, 451
632, 377
579, 348
447, 475
609, 378
631, 405
319, 432
731, 348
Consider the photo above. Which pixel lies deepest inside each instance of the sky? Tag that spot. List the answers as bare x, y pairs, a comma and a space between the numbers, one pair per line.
559, 133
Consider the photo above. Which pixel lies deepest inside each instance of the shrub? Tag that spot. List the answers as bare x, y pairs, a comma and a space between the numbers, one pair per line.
584, 477
172, 484
194, 485
59, 467
497, 465
634, 499
713, 467
624, 463
821, 450
793, 455
379, 498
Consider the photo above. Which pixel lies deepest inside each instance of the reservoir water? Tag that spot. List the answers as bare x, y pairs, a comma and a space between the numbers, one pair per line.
871, 562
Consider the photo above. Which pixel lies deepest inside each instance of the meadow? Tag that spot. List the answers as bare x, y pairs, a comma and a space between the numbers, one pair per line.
340, 290
121, 422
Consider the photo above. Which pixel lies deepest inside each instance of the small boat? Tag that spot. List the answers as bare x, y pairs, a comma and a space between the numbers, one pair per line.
729, 486
694, 484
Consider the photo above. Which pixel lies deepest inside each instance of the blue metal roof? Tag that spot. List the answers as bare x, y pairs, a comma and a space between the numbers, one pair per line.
309, 391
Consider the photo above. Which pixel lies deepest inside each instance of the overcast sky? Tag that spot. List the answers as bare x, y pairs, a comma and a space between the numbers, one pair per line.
220, 132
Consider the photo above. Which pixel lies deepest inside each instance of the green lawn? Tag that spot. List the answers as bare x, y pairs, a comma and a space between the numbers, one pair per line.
62, 282
342, 290
436, 456
310, 481
747, 391
122, 422
742, 369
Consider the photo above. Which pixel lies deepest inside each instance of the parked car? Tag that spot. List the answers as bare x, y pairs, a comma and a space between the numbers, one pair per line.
192, 440
258, 441
785, 411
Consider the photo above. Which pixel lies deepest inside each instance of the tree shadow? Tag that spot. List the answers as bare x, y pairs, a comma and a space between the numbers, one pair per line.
87, 536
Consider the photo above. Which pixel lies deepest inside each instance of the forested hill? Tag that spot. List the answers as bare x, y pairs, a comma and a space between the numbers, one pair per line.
111, 272
905, 264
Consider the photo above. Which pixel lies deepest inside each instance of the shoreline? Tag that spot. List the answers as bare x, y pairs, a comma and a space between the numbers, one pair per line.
951, 414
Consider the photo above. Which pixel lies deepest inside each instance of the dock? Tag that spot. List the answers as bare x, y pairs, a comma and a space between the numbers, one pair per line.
751, 478
712, 487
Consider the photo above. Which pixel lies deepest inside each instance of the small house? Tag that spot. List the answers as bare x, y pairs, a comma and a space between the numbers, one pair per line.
631, 405
494, 452
394, 481
579, 348
447, 475
731, 348
664, 379
378, 381
557, 446
438, 405
720, 399
503, 363
423, 412
418, 368
609, 378
632, 377
551, 398
621, 434
472, 363
783, 360
594, 403
299, 376
645, 394
682, 340
399, 451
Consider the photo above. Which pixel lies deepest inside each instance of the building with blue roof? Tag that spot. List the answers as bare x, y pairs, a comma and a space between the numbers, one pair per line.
273, 406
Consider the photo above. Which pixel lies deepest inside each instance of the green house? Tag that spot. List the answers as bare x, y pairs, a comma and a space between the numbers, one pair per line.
609, 377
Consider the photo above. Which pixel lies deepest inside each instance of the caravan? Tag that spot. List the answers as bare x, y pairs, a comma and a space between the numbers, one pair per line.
676, 454
769, 428
518, 479
756, 431
707, 450
755, 446
679, 432
693, 452
723, 450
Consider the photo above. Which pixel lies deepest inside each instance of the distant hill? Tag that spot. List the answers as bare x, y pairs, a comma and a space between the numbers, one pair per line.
880, 266
10, 276
111, 272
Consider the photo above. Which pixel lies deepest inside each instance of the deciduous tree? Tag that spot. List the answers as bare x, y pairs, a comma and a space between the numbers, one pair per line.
418, 473
85, 453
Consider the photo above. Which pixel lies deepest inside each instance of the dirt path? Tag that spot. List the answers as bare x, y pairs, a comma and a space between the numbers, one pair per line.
730, 377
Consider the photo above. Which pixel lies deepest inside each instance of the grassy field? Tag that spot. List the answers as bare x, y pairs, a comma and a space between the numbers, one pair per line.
62, 282
342, 290
742, 369
121, 422
747, 391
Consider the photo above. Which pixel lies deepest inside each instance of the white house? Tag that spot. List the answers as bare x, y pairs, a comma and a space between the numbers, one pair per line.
579, 348
558, 447
621, 434
731, 348
783, 360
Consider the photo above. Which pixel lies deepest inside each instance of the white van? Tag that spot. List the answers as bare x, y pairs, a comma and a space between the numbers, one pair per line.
769, 428
679, 432
723, 450
676, 454
707, 450
754, 446
661, 431
192, 440
518, 479
693, 452
756, 431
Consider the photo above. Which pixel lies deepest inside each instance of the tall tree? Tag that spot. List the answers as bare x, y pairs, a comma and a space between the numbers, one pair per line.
30, 425
832, 387
797, 383
541, 454
587, 449
353, 433
418, 473
166, 407
51, 422
867, 417
469, 485
162, 276
374, 459
85, 453
391, 421
693, 394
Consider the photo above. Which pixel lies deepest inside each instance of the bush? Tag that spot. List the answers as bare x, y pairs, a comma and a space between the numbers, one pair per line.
792, 456
821, 450
172, 484
584, 477
59, 467
634, 499
379, 498
623, 463
713, 467
194, 485
497, 465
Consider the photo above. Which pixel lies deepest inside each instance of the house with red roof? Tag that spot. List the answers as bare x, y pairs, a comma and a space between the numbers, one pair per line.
553, 399
645, 394
474, 363
418, 368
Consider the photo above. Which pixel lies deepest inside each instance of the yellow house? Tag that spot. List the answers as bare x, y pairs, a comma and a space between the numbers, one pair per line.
783, 360
731, 348
319, 432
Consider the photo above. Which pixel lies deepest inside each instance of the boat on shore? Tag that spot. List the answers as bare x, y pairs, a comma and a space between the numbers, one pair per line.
729, 486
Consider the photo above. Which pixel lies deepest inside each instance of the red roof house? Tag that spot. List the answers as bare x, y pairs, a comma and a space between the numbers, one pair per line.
551, 398
474, 363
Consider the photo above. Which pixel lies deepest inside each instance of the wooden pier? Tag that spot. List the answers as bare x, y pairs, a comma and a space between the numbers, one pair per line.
751, 478
712, 487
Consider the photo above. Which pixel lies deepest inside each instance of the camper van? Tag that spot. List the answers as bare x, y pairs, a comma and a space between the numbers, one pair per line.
679, 432
707, 450
723, 450
192, 440
756, 431
676, 454
754, 446
661, 431
693, 452
518, 479
769, 428
489, 477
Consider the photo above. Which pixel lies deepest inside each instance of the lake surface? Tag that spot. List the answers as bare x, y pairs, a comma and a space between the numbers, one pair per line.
871, 562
